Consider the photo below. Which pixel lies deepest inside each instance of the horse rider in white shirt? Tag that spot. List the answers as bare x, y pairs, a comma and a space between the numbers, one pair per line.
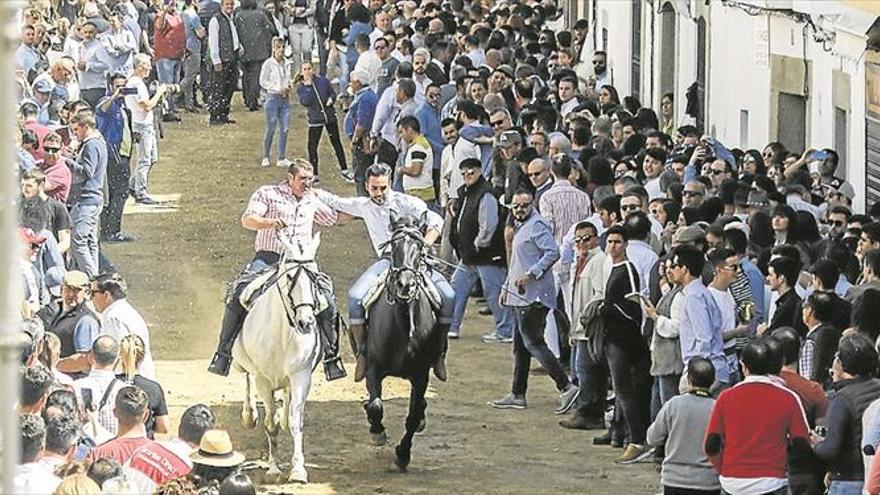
376, 210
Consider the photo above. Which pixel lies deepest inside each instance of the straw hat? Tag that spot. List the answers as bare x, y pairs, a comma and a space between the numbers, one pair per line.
215, 449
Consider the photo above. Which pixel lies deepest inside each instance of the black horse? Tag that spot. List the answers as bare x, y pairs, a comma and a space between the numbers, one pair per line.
402, 335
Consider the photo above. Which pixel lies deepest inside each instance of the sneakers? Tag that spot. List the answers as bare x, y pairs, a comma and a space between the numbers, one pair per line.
118, 237
494, 338
453, 334
567, 399
145, 200
282, 163
632, 453
509, 401
265, 163
347, 176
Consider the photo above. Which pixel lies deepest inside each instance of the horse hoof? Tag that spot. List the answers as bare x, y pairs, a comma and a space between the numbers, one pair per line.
422, 425
378, 439
401, 461
298, 475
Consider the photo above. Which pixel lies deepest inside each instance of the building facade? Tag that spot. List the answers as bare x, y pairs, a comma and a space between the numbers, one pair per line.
805, 73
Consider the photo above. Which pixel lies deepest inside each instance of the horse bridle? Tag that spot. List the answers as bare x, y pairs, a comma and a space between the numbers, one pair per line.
392, 293
289, 307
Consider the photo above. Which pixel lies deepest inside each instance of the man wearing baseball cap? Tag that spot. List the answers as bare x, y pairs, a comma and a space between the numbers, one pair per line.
74, 323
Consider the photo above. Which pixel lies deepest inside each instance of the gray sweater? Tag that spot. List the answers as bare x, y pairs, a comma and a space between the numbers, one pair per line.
681, 424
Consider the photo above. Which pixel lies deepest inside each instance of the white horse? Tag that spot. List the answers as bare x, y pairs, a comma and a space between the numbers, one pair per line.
278, 350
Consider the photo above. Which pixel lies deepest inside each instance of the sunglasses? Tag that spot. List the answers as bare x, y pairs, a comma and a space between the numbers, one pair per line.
583, 238
520, 206
535, 174
690, 194
48, 149
468, 172
715, 171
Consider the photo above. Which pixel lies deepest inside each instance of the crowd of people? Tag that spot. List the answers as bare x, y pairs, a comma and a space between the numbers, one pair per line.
708, 307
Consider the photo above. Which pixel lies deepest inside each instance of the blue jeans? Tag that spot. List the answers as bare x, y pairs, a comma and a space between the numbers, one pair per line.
168, 72
277, 114
302, 38
357, 315
147, 152
492, 278
84, 221
846, 487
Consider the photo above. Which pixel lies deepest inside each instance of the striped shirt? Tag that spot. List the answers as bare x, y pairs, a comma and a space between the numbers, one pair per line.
563, 205
97, 382
278, 202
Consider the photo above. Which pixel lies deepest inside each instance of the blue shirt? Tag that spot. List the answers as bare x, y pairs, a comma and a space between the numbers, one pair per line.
191, 22
534, 252
85, 332
356, 28
361, 111
26, 57
111, 122
700, 329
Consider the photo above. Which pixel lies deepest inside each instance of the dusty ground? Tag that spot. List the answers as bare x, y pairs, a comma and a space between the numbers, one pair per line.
189, 248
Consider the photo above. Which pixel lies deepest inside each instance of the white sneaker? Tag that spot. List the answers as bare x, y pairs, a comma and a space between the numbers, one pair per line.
265, 162
283, 163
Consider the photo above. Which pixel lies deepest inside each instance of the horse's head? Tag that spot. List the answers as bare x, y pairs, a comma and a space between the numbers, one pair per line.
303, 297
406, 256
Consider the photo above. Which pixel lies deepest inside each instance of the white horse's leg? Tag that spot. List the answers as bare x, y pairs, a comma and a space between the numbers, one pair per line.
249, 414
299, 390
270, 427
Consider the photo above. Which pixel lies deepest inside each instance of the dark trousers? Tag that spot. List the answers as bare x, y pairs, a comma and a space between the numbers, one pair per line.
321, 35
315, 133
250, 83
528, 342
92, 95
118, 178
222, 88
361, 162
629, 363
387, 154
674, 490
593, 381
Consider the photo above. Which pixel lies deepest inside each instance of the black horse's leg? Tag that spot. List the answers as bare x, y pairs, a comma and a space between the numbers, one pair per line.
374, 407
414, 419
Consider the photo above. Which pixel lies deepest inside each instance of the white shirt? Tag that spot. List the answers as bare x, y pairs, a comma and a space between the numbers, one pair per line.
33, 478
370, 63
568, 107
644, 258
214, 38
728, 312
121, 319
446, 173
419, 150
275, 76
378, 217
653, 188
98, 382
138, 114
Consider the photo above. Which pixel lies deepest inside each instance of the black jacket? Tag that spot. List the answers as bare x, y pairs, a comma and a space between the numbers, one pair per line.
466, 226
841, 450
255, 34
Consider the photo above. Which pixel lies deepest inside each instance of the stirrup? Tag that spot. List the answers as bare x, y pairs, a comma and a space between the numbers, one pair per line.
333, 369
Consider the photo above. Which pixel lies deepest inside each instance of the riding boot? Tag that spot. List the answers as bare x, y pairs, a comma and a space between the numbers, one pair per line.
440, 364
328, 323
233, 318
358, 333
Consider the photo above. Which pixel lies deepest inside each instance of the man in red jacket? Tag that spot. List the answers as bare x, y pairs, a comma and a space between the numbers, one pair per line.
754, 425
169, 46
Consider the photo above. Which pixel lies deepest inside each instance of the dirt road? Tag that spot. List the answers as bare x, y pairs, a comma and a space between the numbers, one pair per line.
190, 247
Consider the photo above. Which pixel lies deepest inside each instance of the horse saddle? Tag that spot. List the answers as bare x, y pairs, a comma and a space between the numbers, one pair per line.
381, 281
264, 280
